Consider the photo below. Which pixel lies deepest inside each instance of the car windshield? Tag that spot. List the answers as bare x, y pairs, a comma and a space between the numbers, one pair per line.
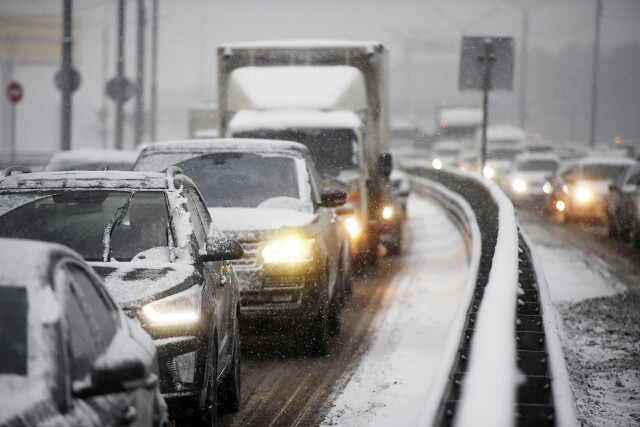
503, 154
78, 219
332, 150
13, 330
602, 172
244, 180
537, 165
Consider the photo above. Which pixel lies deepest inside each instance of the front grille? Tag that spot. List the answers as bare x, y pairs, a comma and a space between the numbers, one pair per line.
250, 259
284, 282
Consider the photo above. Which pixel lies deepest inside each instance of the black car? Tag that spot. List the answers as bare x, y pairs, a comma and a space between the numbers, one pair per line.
164, 262
266, 194
68, 355
620, 204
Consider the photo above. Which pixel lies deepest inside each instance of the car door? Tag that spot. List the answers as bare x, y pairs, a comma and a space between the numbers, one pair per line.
215, 274
328, 226
92, 320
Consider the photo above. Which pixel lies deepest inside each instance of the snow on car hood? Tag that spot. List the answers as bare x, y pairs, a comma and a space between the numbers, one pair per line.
259, 219
132, 284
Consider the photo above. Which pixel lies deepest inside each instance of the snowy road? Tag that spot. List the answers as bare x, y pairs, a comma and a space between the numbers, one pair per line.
382, 364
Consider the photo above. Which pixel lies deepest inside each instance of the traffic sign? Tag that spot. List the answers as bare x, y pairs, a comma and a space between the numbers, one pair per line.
14, 92
120, 89
70, 80
476, 51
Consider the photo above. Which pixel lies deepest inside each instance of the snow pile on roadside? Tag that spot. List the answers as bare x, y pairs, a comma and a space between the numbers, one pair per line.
600, 337
395, 375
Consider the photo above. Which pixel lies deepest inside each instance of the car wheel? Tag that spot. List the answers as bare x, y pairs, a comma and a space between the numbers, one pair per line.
229, 392
318, 333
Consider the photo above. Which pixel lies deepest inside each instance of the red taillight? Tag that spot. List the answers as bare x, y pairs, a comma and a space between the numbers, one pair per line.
353, 197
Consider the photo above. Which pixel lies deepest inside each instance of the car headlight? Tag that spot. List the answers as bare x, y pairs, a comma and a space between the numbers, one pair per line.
387, 212
560, 205
437, 164
583, 194
289, 249
178, 309
488, 172
519, 186
353, 227
547, 188
565, 189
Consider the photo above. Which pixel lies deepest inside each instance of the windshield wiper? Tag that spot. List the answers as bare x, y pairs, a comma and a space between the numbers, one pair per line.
118, 215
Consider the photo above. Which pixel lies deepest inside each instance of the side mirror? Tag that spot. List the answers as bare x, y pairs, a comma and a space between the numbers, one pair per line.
221, 249
385, 164
113, 376
332, 197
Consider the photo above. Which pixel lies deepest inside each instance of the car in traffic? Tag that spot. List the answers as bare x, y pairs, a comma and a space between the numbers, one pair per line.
68, 354
620, 207
445, 154
91, 160
582, 190
267, 195
152, 240
499, 161
527, 177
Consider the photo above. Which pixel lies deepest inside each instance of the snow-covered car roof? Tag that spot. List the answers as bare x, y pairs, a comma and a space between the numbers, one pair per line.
227, 145
599, 160
96, 154
85, 179
21, 271
461, 116
537, 156
505, 132
287, 119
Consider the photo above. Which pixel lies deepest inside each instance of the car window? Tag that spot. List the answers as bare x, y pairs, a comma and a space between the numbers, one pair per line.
13, 330
83, 346
314, 180
97, 303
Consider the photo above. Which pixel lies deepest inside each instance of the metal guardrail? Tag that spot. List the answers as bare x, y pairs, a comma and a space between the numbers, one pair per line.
527, 383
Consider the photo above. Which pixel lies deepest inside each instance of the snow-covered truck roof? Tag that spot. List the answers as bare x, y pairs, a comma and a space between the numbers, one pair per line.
460, 116
297, 44
330, 88
289, 119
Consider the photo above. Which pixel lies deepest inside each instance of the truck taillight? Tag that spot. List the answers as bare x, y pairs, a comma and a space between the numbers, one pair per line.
353, 197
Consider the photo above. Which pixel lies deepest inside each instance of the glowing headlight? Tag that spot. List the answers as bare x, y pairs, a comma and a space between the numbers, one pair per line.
488, 172
583, 194
560, 205
565, 189
519, 186
291, 249
353, 227
181, 308
547, 188
387, 212
437, 164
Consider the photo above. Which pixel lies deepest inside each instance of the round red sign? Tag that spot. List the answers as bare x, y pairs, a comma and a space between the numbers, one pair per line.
14, 92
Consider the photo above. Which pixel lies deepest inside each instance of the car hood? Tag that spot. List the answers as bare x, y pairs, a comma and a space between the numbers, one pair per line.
258, 220
132, 284
536, 177
600, 187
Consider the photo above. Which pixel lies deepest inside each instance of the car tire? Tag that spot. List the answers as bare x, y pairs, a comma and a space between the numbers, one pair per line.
318, 333
230, 390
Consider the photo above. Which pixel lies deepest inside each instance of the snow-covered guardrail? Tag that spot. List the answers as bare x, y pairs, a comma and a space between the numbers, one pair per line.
509, 353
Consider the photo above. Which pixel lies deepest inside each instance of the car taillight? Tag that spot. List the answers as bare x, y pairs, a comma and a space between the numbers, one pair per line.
353, 197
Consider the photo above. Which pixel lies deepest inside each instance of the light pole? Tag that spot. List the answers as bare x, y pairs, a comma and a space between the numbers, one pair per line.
594, 84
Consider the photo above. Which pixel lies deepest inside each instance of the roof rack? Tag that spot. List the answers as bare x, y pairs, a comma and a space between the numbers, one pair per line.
12, 169
172, 171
